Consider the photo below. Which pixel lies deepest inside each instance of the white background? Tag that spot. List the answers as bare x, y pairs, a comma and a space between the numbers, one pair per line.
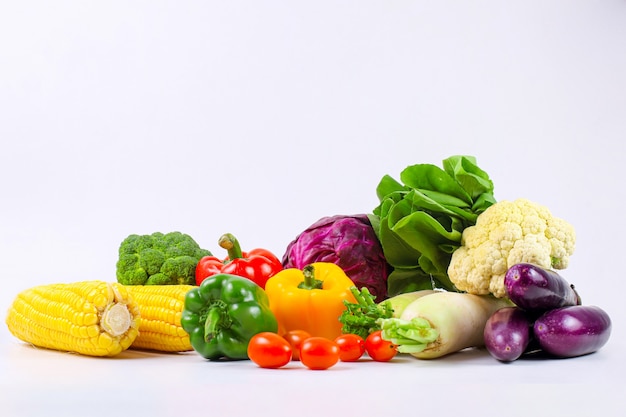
258, 118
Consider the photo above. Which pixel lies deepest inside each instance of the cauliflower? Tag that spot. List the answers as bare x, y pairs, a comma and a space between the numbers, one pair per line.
508, 233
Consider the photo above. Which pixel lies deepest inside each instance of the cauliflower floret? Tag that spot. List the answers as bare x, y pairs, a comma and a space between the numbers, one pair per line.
508, 233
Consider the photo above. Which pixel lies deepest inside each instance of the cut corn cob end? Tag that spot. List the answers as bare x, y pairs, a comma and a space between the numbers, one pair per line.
161, 309
93, 318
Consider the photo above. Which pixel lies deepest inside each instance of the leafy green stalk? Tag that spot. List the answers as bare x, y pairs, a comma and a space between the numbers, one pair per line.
410, 336
362, 317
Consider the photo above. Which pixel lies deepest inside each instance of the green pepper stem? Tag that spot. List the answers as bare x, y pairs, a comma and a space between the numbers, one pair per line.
217, 317
310, 282
231, 244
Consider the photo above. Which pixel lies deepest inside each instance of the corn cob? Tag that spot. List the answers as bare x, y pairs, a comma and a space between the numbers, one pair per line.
94, 318
161, 308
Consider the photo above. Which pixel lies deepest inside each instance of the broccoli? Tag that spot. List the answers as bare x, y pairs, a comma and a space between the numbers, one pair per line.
158, 259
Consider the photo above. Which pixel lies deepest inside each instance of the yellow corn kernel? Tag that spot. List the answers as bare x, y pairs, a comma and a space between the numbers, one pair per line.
161, 308
94, 318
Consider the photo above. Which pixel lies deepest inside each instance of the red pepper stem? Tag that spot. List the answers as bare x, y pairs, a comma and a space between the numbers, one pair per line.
231, 244
310, 282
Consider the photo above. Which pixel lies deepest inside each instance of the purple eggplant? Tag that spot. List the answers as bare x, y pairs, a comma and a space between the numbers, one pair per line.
537, 289
572, 331
508, 333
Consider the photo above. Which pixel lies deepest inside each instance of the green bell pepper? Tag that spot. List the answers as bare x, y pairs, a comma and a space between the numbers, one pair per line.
223, 313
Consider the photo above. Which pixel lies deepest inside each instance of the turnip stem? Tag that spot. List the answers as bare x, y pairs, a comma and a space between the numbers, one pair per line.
410, 336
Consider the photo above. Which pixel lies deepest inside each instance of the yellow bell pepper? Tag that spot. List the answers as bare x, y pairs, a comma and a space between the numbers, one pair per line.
311, 299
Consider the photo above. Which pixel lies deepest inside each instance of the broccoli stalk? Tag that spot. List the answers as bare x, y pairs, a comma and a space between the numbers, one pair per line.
363, 317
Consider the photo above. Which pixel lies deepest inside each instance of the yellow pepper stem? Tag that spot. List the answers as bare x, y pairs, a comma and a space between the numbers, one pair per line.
310, 282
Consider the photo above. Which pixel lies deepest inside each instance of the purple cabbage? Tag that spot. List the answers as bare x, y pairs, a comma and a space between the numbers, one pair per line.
348, 241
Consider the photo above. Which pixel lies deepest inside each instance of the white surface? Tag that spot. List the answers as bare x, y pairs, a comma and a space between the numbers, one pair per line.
212, 117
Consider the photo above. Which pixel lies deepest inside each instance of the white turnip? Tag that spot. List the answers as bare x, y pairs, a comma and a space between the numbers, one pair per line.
442, 323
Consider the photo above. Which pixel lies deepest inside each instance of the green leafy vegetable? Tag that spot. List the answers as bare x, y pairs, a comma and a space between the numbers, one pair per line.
361, 317
364, 316
420, 220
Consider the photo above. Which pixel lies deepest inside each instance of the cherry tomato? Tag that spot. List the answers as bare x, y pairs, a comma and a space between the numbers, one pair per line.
379, 349
319, 353
269, 350
351, 347
295, 339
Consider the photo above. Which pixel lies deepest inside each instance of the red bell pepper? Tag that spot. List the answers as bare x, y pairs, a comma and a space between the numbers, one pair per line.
257, 265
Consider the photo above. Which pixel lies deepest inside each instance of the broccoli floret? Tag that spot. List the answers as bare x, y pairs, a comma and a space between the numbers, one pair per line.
176, 271
134, 244
128, 267
151, 260
158, 259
